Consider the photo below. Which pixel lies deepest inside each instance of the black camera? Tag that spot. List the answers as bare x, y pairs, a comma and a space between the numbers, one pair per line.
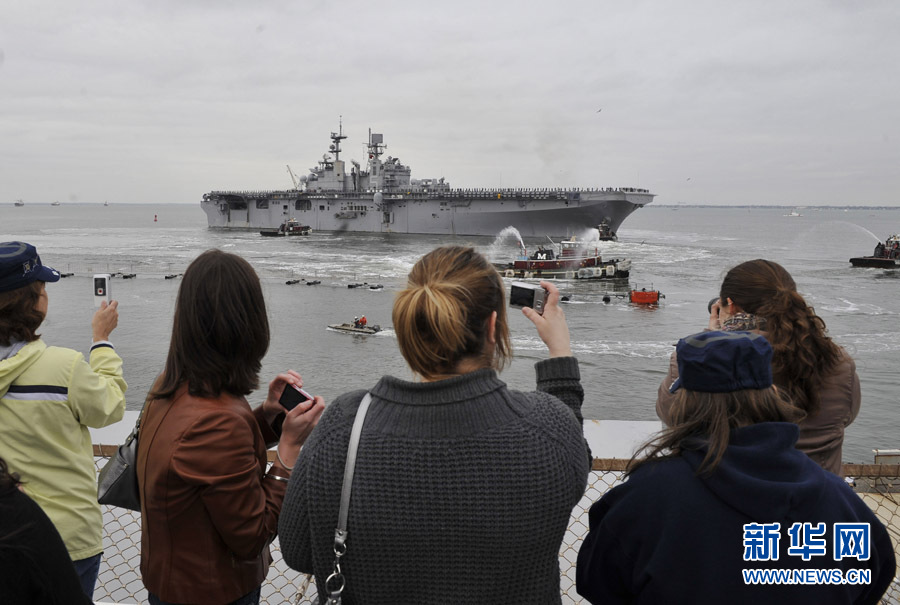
711, 303
291, 396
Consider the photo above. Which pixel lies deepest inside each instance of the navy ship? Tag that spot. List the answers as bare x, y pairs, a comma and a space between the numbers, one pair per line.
384, 198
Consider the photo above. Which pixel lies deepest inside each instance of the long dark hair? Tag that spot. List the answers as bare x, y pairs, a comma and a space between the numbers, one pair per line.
441, 317
220, 332
802, 352
699, 420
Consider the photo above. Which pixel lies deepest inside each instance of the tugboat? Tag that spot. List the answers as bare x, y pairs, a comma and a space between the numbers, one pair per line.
19, 203
288, 227
569, 259
606, 234
886, 256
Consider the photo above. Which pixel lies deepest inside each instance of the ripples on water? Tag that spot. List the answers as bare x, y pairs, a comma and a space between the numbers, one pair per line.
623, 349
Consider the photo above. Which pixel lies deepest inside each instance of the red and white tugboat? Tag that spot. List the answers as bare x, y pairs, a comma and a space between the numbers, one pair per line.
886, 256
569, 259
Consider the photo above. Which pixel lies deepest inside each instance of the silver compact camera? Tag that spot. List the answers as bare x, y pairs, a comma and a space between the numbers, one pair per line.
522, 294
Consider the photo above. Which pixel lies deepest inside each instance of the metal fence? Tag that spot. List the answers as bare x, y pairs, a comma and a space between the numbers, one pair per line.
120, 579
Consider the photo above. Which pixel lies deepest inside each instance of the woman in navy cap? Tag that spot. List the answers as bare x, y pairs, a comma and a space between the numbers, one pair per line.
722, 498
49, 396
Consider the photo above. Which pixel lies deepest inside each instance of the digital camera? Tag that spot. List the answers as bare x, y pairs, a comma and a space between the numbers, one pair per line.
527, 295
101, 288
291, 396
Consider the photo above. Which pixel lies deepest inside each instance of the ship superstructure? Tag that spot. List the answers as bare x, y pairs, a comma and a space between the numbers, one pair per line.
384, 197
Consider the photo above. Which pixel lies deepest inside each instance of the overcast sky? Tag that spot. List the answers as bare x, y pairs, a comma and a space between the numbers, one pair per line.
710, 102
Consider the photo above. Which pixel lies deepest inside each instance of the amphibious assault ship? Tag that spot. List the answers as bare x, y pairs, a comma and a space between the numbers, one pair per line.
384, 198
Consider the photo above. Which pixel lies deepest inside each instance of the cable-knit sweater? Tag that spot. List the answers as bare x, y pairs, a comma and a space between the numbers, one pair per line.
462, 491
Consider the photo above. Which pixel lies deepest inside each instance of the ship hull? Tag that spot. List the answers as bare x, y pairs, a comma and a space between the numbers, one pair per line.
554, 213
875, 261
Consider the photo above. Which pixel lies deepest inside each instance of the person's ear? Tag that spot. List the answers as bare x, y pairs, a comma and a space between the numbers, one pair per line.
492, 328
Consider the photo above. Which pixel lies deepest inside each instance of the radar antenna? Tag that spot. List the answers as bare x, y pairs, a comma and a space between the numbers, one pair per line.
376, 145
336, 138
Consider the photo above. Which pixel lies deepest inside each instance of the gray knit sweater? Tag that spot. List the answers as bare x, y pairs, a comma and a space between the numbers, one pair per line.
462, 492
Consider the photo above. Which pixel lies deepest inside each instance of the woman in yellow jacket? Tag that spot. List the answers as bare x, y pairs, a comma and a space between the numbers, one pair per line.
49, 396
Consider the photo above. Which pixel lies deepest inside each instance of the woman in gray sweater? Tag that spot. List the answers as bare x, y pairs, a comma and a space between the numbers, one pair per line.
463, 487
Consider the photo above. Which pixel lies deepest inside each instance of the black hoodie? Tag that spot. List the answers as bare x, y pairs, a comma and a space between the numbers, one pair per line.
668, 535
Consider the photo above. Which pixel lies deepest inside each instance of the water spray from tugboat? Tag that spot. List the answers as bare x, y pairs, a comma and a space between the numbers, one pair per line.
495, 250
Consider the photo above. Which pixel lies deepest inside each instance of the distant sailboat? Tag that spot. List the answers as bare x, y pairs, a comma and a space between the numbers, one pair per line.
106, 203
20, 203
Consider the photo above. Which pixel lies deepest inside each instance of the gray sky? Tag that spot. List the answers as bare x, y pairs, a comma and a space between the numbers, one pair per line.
710, 102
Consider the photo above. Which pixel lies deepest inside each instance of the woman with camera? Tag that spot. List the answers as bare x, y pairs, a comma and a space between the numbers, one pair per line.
818, 375
463, 487
209, 509
723, 499
49, 396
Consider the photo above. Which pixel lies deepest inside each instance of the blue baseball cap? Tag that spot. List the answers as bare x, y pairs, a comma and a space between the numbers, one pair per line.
20, 265
721, 362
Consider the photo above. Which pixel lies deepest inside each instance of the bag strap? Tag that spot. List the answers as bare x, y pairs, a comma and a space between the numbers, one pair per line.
137, 424
335, 583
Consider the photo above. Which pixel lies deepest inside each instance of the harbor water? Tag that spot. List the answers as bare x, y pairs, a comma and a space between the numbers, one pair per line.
682, 251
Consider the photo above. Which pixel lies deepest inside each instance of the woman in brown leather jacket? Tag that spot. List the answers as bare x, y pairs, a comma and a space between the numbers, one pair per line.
209, 508
818, 375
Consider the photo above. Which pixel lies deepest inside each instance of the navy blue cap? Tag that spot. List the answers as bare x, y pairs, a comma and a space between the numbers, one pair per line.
721, 362
20, 265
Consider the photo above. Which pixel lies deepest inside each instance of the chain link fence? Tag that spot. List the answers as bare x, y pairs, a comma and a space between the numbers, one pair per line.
120, 580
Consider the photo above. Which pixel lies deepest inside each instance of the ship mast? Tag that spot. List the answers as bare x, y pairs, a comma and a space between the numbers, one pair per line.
336, 138
375, 146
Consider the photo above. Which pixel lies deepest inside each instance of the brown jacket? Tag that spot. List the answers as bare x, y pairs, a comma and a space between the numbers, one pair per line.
822, 433
208, 510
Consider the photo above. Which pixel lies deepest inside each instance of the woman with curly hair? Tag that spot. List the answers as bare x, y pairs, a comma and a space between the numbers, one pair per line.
818, 375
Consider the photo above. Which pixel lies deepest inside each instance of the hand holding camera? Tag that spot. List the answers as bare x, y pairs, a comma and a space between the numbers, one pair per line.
303, 412
550, 321
715, 318
106, 318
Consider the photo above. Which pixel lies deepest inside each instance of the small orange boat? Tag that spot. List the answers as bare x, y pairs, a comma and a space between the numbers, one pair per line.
645, 297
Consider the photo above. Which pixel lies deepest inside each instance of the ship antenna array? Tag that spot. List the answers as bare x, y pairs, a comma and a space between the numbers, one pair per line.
376, 146
336, 138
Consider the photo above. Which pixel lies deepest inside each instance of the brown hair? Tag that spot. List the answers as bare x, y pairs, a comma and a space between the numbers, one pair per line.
220, 332
699, 419
442, 315
802, 353
19, 317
